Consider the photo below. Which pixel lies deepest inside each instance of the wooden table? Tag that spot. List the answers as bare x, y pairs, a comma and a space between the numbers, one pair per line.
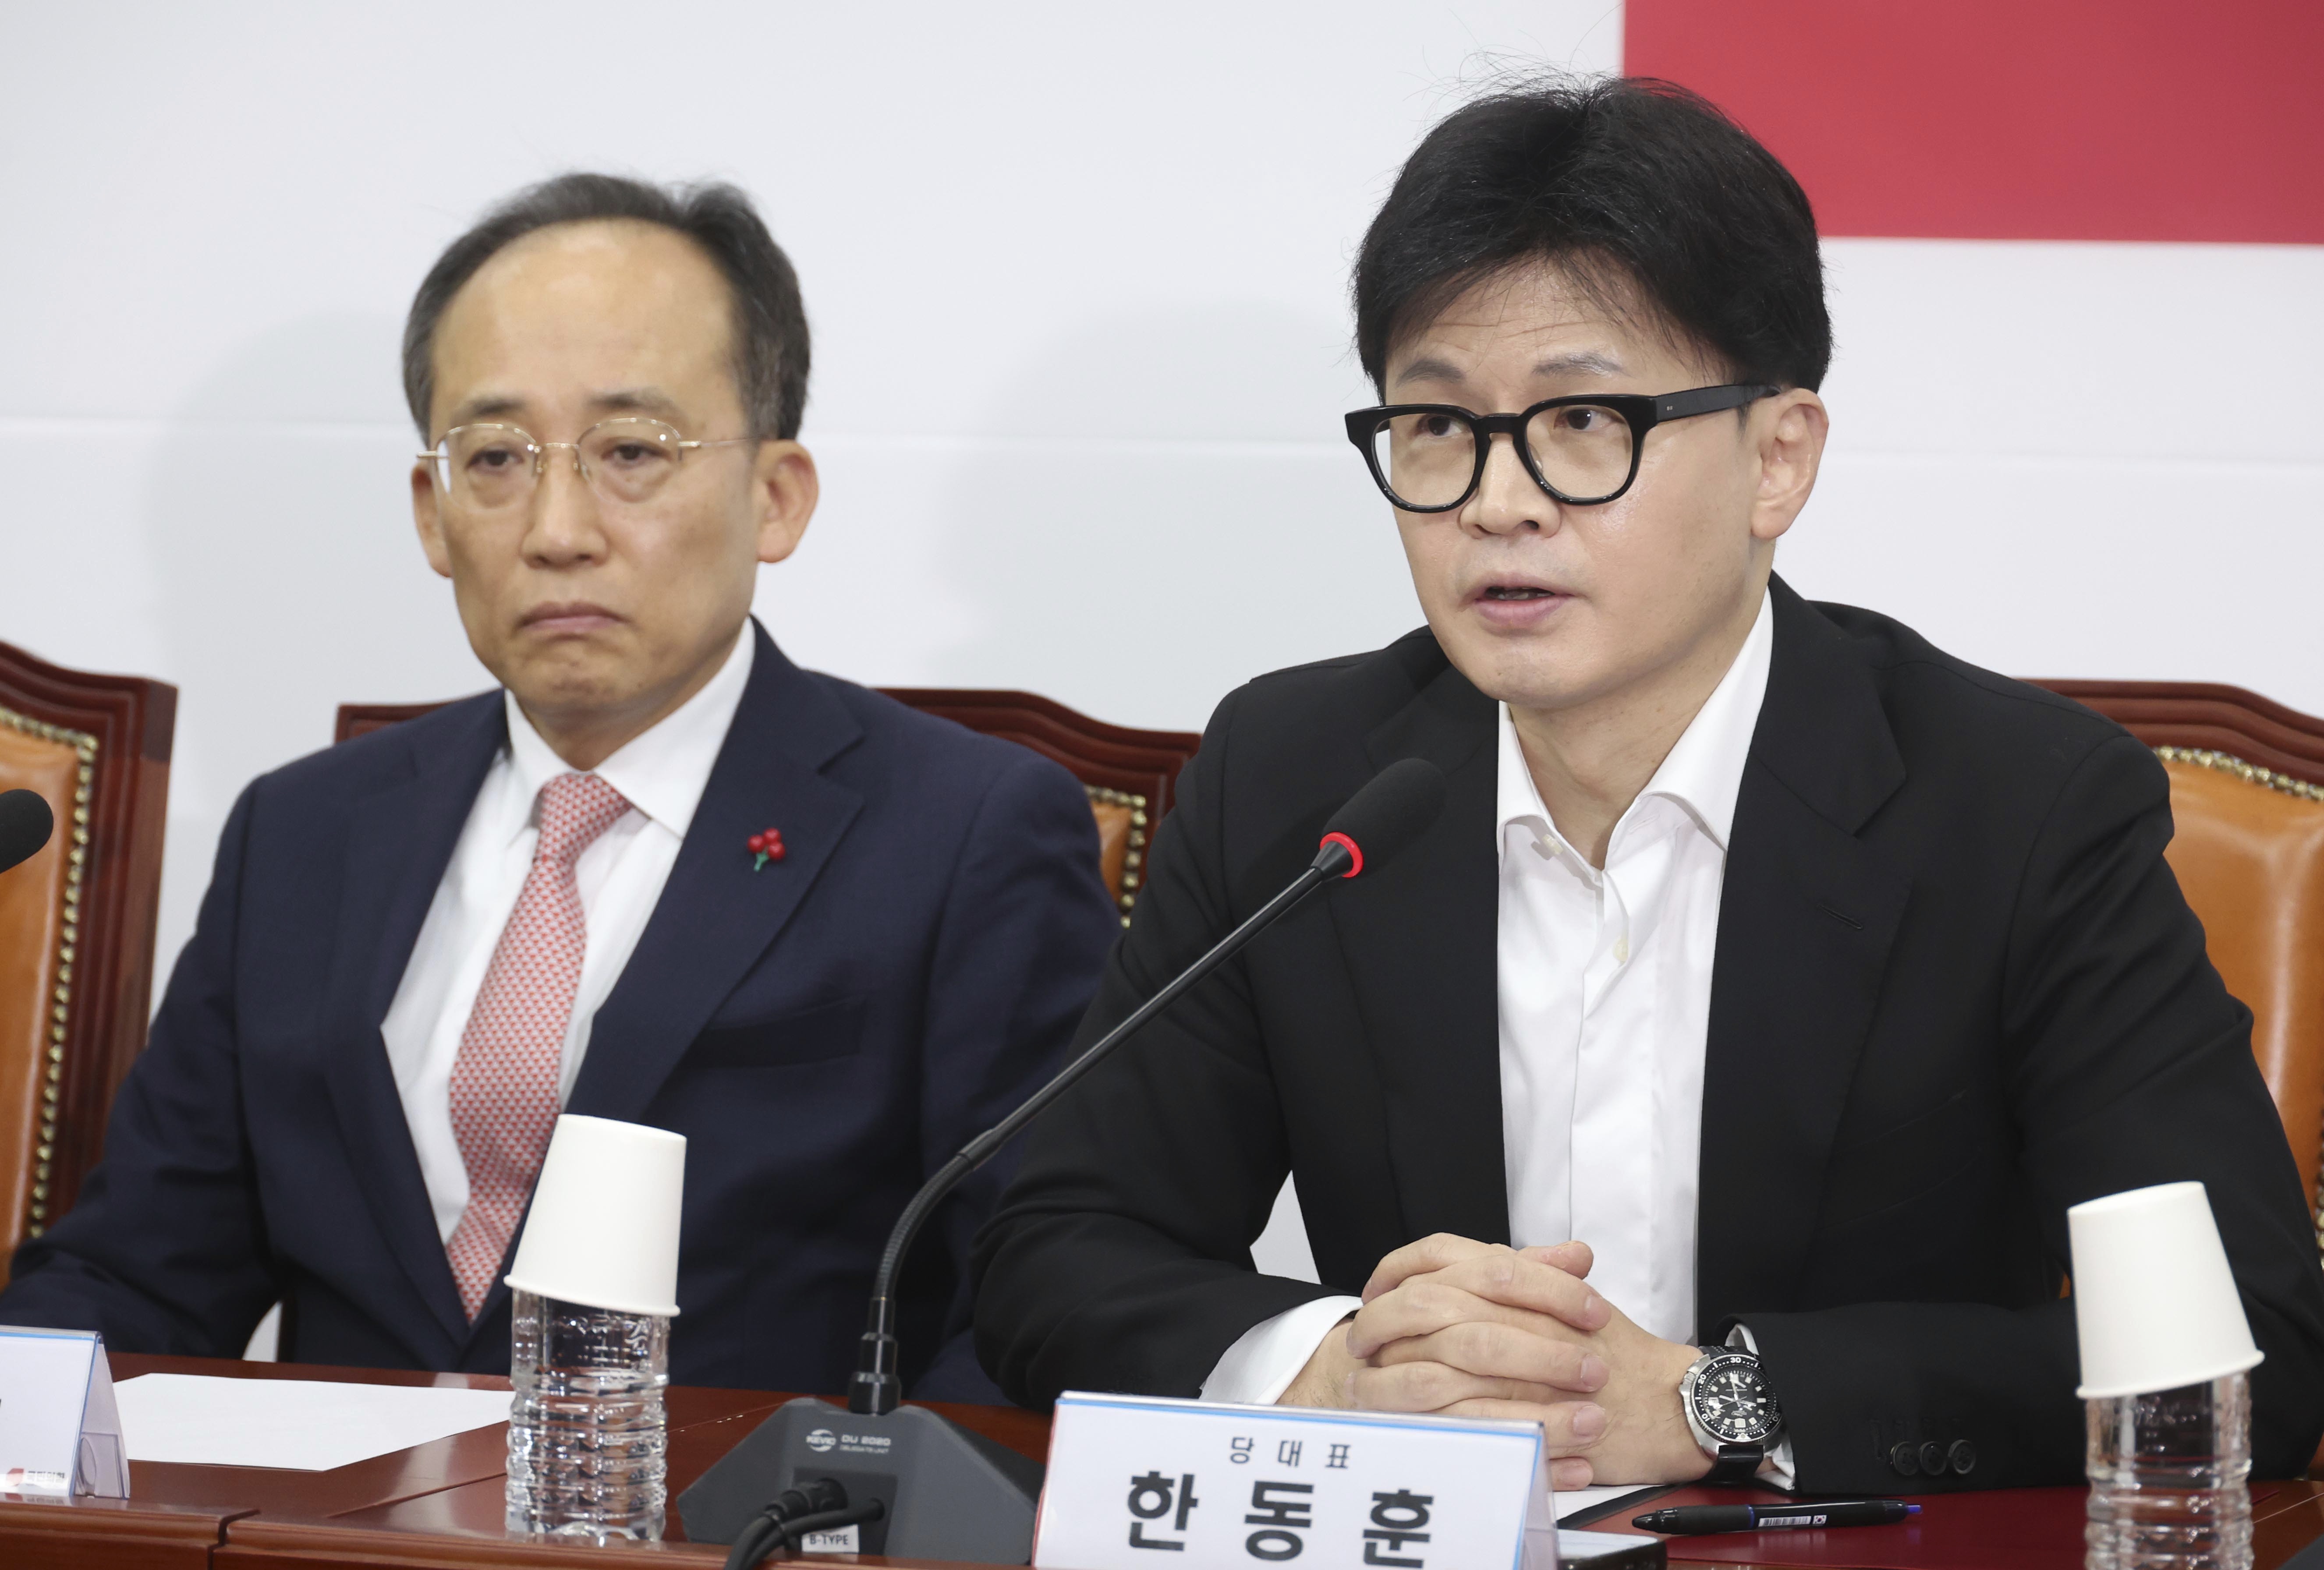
2001, 1529
438, 1506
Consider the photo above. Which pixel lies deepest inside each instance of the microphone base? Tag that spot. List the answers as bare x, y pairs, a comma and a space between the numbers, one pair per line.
950, 1493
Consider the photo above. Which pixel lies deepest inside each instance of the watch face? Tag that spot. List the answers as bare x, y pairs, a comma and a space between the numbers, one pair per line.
1733, 1402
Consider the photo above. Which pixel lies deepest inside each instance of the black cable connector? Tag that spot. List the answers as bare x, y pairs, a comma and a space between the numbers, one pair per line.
817, 1506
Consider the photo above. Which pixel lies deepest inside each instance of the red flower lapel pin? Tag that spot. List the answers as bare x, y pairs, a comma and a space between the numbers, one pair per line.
767, 846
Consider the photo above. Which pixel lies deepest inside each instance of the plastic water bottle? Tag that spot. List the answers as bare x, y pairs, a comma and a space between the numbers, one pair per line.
588, 1444
2168, 1474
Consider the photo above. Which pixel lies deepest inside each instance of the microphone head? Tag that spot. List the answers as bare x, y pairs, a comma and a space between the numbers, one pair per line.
25, 825
1388, 815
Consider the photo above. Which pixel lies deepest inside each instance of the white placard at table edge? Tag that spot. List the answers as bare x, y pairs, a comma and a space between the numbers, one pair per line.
60, 1429
1271, 1484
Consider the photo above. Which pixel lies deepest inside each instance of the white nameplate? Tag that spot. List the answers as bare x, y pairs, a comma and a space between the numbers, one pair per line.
59, 1433
1137, 1483
838, 1540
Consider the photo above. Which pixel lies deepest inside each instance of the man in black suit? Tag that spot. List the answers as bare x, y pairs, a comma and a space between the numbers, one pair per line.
1772, 979
664, 876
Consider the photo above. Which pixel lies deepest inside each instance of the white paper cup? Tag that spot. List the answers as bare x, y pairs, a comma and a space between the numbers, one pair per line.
2154, 1303
602, 1230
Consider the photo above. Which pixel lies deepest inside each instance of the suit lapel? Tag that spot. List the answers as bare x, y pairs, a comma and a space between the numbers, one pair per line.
1806, 917
1419, 940
717, 914
403, 839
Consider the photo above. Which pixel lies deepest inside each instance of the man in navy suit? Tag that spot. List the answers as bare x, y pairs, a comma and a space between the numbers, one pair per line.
664, 876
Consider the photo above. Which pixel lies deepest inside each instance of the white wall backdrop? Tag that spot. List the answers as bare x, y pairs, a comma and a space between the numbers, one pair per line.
1076, 276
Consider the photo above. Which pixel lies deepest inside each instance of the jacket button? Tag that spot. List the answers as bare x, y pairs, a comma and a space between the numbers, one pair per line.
1906, 1457
1962, 1457
1933, 1459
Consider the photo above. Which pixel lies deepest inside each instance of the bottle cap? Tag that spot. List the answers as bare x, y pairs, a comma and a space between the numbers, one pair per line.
602, 1230
2154, 1302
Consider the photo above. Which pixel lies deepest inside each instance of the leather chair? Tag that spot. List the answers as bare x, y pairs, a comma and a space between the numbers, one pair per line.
1130, 775
2247, 798
76, 920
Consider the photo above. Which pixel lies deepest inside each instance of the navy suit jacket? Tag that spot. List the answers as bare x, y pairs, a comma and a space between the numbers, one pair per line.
826, 1032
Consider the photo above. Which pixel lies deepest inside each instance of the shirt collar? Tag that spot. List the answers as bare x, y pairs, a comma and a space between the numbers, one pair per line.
1703, 772
661, 773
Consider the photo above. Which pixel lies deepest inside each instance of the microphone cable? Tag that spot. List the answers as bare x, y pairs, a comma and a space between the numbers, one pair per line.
1394, 808
818, 1506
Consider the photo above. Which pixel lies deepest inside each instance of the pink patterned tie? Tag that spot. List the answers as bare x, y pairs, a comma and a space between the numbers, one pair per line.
505, 1081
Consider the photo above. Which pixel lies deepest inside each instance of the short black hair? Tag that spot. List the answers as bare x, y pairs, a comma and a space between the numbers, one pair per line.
1632, 186
770, 339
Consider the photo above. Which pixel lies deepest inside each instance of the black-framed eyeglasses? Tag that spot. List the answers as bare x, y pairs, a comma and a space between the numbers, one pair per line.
1583, 450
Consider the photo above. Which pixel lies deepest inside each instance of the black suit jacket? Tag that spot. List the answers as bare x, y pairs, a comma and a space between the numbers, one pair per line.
825, 1031
1956, 991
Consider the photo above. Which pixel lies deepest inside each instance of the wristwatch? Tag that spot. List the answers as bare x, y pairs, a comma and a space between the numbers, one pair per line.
1731, 1410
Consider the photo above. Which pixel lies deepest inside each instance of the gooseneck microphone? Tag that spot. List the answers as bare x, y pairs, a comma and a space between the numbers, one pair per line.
1378, 821
945, 1492
25, 825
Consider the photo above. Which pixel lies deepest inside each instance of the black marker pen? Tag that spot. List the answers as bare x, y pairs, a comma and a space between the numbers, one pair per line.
1695, 1518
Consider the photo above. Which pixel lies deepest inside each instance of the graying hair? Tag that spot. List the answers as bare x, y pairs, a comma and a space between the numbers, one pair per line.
771, 336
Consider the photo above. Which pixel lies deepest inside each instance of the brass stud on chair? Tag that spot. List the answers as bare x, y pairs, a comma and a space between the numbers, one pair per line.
2253, 774
84, 746
1133, 855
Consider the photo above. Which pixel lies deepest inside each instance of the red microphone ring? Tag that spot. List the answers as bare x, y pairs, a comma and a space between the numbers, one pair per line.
1354, 849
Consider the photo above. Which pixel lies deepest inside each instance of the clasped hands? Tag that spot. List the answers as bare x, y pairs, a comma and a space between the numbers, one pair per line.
1475, 1329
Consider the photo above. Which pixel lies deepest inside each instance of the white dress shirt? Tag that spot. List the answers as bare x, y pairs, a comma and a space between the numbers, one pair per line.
661, 773
1603, 983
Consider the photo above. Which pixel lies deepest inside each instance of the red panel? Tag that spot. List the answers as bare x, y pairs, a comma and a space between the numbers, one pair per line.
2019, 119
